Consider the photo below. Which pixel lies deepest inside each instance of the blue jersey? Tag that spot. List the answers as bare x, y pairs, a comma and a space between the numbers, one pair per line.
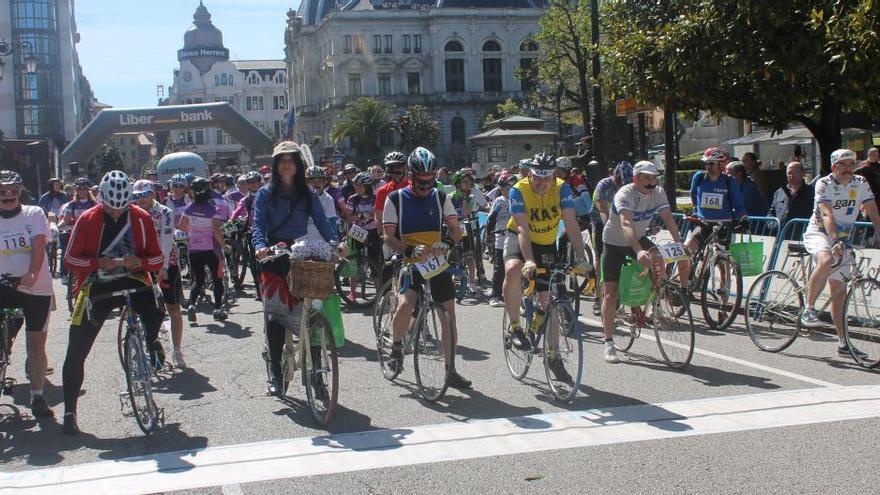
716, 200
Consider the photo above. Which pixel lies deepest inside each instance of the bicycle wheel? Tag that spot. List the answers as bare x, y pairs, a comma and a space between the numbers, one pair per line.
183, 265
120, 336
378, 306
384, 333
321, 369
4, 354
138, 380
861, 326
628, 326
518, 361
365, 289
721, 293
563, 351
240, 259
673, 328
429, 353
773, 311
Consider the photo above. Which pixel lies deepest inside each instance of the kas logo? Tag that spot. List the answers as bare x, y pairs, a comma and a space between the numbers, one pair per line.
196, 117
132, 119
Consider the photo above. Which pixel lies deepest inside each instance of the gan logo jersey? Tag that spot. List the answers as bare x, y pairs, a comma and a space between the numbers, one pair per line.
543, 212
844, 199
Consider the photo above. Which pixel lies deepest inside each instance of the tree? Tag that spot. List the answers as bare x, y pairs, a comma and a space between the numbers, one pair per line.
792, 61
364, 121
507, 109
417, 128
109, 158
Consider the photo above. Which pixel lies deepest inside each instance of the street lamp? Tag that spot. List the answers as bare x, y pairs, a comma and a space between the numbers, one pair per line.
6, 49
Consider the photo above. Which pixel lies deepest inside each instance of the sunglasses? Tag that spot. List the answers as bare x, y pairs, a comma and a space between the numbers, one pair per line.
424, 184
139, 195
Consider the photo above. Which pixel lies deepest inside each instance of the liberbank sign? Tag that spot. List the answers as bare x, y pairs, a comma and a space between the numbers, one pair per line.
187, 54
133, 119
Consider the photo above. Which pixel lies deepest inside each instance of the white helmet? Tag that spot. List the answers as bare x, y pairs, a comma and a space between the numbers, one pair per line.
115, 189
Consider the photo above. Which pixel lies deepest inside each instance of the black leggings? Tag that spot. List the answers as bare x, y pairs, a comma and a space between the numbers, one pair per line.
497, 272
197, 262
83, 334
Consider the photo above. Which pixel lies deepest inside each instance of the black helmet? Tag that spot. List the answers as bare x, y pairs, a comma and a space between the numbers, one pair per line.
10, 178
422, 161
82, 182
543, 164
200, 187
395, 157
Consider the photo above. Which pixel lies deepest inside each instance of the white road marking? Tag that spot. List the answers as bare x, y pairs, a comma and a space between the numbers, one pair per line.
231, 489
731, 359
236, 464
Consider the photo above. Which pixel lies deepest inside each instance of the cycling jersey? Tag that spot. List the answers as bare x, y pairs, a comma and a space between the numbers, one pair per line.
362, 208
201, 218
233, 196
543, 212
459, 200
75, 208
222, 206
605, 191
16, 243
163, 219
329, 207
716, 200
177, 206
642, 207
844, 199
501, 211
417, 220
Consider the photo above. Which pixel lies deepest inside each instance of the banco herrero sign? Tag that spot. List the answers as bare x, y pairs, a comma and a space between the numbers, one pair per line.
187, 54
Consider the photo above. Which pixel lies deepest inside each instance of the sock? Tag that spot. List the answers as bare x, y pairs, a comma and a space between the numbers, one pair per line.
841, 343
609, 342
35, 394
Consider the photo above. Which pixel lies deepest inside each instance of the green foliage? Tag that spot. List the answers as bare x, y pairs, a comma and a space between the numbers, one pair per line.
417, 128
691, 162
364, 121
109, 158
507, 109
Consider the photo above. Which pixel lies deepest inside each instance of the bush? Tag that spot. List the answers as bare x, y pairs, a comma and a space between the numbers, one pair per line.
691, 162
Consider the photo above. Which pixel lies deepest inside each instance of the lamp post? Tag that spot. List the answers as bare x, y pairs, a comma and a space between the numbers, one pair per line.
7, 48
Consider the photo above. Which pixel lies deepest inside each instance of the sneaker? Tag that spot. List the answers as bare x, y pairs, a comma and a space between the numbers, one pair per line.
177, 359
273, 387
220, 315
597, 308
611, 354
395, 363
41, 409
258, 298
496, 303
810, 319
157, 354
852, 352
559, 372
519, 339
191, 314
69, 427
458, 382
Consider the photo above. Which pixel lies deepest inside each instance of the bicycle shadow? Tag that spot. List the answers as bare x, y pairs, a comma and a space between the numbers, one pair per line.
472, 405
470, 354
371, 441
344, 420
832, 361
710, 377
188, 383
357, 350
230, 329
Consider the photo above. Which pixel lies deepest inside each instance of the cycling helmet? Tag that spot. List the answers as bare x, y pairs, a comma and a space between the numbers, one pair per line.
10, 178
189, 178
564, 163
82, 182
349, 168
115, 189
506, 179
229, 180
241, 179
623, 172
543, 165
395, 157
459, 176
421, 161
524, 163
253, 176
178, 180
315, 172
363, 178
200, 188
715, 154
216, 177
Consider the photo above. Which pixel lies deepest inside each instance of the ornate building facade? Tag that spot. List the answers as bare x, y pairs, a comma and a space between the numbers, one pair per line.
458, 58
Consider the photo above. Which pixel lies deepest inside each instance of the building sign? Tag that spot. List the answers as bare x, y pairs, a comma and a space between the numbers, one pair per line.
629, 106
129, 119
203, 52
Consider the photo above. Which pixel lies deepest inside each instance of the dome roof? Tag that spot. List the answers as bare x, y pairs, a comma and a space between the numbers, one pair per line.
203, 33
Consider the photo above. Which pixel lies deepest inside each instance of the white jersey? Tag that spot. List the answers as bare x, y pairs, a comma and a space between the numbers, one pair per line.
16, 243
643, 207
163, 218
844, 200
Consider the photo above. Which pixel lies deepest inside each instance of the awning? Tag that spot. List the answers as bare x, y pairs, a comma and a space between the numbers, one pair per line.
792, 142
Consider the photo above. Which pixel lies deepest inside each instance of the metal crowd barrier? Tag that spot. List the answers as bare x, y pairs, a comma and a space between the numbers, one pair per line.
861, 236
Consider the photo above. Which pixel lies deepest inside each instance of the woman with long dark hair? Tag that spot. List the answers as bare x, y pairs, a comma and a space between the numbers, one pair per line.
282, 210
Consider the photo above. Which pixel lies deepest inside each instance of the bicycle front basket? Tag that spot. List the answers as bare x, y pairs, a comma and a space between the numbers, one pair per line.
311, 279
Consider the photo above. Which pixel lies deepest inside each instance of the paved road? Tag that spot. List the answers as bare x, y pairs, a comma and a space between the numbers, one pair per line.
735, 421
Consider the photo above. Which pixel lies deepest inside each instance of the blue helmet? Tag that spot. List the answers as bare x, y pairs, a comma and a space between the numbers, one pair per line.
624, 172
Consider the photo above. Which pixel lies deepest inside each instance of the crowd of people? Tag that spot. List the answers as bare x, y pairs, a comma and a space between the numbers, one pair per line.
121, 233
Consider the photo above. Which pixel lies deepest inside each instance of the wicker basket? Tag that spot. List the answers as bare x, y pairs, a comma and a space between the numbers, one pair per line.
311, 279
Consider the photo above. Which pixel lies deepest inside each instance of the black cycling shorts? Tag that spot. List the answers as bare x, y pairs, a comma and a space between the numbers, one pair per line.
701, 232
172, 289
442, 288
35, 308
615, 256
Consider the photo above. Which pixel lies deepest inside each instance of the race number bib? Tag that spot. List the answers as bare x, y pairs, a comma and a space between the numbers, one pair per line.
433, 266
711, 201
15, 243
358, 233
673, 252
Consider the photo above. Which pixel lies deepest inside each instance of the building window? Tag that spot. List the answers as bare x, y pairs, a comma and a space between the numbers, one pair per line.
279, 102
455, 75
253, 79
528, 73
388, 43
406, 44
279, 78
277, 129
384, 83
413, 83
200, 136
359, 43
354, 85
220, 137
346, 48
497, 153
377, 43
491, 46
457, 131
492, 75
222, 79
254, 102
453, 46
417, 45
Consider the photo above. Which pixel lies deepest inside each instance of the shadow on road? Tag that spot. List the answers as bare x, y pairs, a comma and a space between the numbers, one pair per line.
230, 329
188, 383
345, 420
711, 377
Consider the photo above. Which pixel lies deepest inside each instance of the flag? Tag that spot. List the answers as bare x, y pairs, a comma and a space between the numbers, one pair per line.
291, 121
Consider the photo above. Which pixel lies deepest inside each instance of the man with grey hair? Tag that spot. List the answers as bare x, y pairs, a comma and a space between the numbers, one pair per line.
754, 200
795, 198
870, 170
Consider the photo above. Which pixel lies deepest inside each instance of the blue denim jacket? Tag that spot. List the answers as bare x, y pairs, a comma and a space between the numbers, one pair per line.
269, 213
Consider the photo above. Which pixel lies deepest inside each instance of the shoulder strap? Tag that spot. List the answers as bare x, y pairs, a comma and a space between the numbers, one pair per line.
120, 235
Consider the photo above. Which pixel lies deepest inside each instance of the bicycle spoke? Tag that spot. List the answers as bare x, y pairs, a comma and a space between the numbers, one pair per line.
673, 328
773, 307
862, 325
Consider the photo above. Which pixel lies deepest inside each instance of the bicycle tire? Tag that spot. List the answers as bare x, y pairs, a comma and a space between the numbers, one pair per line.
711, 299
120, 336
861, 327
4, 354
368, 275
429, 353
322, 405
673, 329
627, 328
518, 362
384, 334
773, 310
138, 382
377, 305
570, 350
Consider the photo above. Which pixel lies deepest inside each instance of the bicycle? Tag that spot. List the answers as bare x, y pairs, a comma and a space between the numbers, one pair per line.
181, 244
775, 303
365, 282
556, 337
11, 320
424, 337
136, 364
237, 259
387, 294
668, 312
316, 359
460, 260
716, 274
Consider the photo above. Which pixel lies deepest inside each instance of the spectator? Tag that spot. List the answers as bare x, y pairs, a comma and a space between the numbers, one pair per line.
755, 202
753, 170
53, 199
443, 175
870, 170
795, 198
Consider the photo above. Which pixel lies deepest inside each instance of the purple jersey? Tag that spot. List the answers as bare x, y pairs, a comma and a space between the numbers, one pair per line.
201, 226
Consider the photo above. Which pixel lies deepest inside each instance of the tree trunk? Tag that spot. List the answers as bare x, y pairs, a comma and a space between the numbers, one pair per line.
826, 131
671, 162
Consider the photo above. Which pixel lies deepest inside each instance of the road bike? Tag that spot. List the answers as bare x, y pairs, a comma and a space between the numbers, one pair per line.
460, 259
309, 344
181, 244
557, 337
362, 274
11, 320
237, 258
776, 301
430, 346
388, 292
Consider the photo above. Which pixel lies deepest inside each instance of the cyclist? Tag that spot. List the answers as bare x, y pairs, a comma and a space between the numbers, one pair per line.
70, 212
395, 169
113, 246
634, 207
281, 213
177, 199
202, 220
218, 191
839, 196
144, 195
412, 222
465, 207
236, 190
537, 204
23, 233
317, 179
361, 206
245, 208
499, 214
53, 199
600, 214
349, 172
716, 198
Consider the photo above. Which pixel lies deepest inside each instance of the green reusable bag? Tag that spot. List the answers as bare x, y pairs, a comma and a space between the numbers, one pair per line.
330, 308
749, 256
634, 290
349, 269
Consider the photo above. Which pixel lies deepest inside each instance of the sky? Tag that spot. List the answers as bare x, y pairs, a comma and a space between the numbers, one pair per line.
127, 47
